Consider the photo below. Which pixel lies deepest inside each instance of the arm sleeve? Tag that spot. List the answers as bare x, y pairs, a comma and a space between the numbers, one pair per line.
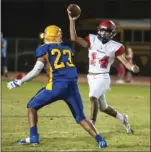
34, 72
120, 51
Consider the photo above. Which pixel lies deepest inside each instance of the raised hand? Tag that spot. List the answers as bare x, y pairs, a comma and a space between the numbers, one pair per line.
72, 18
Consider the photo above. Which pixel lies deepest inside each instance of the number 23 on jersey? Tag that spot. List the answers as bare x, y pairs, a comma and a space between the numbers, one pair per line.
60, 64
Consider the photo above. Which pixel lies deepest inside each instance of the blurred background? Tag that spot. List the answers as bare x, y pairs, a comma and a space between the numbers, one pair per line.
22, 21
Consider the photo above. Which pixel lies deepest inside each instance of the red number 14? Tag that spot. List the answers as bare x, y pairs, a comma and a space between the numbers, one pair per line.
104, 62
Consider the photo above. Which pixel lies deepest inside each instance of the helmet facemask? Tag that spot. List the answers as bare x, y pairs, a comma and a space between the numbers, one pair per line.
105, 34
106, 30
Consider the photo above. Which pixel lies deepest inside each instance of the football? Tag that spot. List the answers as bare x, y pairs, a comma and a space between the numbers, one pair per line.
74, 10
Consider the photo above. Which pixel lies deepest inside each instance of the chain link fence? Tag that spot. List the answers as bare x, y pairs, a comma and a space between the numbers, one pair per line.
21, 56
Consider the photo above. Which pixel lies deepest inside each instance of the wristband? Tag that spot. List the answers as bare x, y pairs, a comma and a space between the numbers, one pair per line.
132, 68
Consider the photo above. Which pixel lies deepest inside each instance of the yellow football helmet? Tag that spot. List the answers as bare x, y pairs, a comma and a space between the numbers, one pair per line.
52, 34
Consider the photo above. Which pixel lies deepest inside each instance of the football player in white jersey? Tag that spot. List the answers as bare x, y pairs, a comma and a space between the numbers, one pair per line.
102, 51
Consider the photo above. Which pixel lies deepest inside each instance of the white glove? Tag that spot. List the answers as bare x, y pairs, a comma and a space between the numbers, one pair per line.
14, 84
135, 68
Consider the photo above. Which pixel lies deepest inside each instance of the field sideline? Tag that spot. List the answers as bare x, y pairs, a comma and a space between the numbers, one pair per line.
58, 130
82, 78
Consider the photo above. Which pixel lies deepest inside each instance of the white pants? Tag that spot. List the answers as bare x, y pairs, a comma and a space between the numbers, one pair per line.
98, 85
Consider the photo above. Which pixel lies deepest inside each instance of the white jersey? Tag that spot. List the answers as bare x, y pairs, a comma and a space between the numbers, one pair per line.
101, 56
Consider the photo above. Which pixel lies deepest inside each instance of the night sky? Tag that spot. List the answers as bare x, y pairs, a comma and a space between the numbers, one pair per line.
27, 18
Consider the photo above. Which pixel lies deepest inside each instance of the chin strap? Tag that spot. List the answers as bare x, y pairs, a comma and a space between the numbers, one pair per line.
102, 39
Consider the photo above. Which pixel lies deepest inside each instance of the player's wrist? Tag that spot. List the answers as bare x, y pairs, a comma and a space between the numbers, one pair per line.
72, 20
132, 68
19, 82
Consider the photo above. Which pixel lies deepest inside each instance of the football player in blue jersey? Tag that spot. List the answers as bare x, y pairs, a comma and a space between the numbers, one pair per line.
62, 85
4, 55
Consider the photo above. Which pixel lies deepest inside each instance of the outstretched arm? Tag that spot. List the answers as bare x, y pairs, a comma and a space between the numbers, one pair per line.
35, 71
73, 35
129, 55
30, 75
127, 64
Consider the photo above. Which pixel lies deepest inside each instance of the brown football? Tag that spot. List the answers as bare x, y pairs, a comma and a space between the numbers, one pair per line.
74, 10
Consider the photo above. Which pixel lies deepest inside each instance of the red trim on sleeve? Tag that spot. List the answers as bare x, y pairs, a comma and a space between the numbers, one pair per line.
120, 51
87, 38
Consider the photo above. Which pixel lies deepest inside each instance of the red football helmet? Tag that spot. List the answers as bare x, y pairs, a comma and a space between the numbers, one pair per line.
108, 25
106, 30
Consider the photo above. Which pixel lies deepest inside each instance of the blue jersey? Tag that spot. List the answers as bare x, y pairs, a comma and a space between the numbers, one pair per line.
3, 47
62, 83
59, 66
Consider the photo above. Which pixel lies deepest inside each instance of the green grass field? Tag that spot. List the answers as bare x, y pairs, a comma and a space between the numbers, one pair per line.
58, 130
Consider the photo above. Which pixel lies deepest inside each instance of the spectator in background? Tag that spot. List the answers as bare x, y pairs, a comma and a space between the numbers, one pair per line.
129, 57
120, 72
4, 56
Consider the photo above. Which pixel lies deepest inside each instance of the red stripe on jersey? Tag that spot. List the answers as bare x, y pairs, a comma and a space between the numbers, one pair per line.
87, 38
120, 51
